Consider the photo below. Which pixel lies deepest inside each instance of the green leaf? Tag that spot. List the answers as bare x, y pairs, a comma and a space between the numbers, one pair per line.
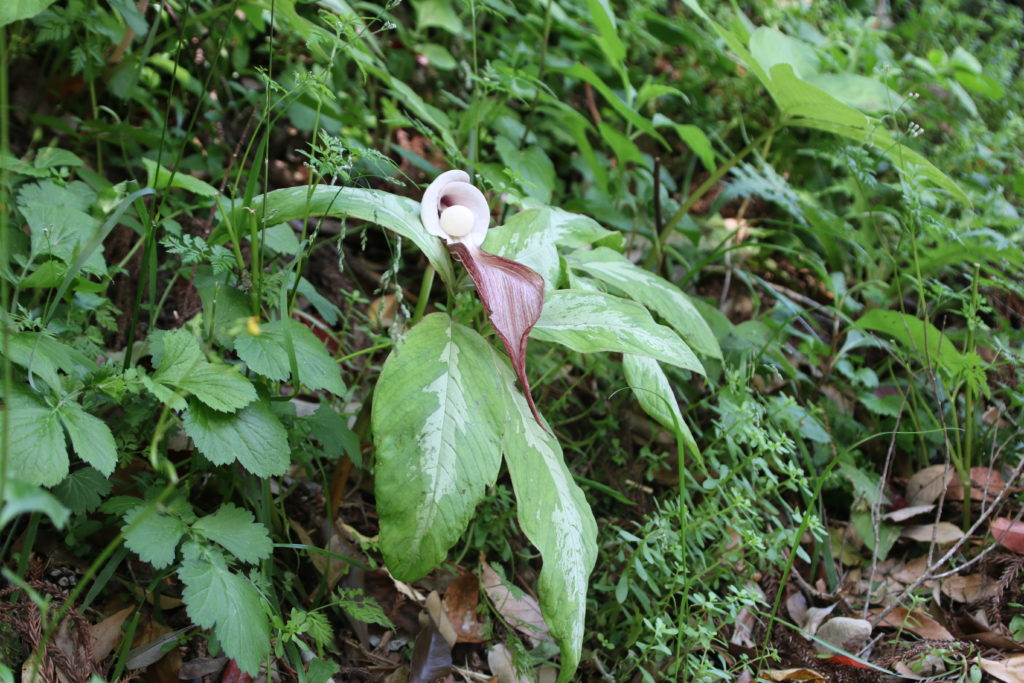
62, 232
37, 453
16, 10
439, 14
253, 436
654, 292
90, 437
362, 607
586, 74
555, 516
532, 167
530, 237
152, 535
607, 33
237, 531
219, 599
921, 338
44, 356
654, 394
401, 215
267, 354
160, 178
437, 414
589, 322
334, 435
20, 497
83, 490
182, 365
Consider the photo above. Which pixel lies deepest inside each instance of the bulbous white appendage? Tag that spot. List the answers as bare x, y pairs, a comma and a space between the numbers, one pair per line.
457, 220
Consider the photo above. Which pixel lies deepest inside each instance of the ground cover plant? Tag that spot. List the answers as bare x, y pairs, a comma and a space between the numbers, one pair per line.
475, 340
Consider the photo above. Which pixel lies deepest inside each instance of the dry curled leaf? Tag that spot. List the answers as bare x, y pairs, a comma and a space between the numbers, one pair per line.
917, 622
969, 588
461, 599
106, 634
844, 634
986, 484
1009, 670
792, 675
941, 533
926, 486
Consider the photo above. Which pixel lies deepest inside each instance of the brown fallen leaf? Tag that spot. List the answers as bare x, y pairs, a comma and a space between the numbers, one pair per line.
444, 625
915, 621
941, 533
986, 484
969, 588
926, 486
461, 599
791, 675
1010, 670
911, 571
106, 634
1009, 534
521, 611
843, 634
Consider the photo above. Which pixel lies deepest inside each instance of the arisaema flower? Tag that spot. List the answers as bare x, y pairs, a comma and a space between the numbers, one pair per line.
512, 294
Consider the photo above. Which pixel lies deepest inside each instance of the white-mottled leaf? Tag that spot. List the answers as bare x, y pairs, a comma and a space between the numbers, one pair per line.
592, 321
437, 412
401, 215
531, 237
654, 394
656, 293
555, 516
253, 436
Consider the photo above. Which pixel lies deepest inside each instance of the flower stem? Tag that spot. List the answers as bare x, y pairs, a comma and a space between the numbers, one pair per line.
424, 295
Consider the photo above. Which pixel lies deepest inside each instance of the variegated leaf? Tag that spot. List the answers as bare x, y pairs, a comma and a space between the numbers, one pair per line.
592, 321
656, 293
438, 413
654, 394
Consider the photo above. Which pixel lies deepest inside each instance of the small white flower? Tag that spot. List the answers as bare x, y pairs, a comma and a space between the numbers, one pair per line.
455, 210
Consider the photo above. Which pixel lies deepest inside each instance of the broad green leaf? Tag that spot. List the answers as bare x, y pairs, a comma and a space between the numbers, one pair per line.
62, 232
217, 598
267, 354
237, 531
253, 436
654, 394
223, 305
160, 178
656, 293
90, 437
20, 497
44, 356
35, 440
531, 237
555, 516
592, 321
925, 341
16, 10
439, 14
693, 136
334, 435
770, 46
182, 366
401, 215
532, 166
437, 414
152, 535
83, 490
607, 32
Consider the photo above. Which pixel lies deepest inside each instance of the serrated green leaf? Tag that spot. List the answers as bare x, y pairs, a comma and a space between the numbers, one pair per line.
217, 598
44, 356
555, 516
253, 436
589, 322
62, 232
182, 365
20, 497
654, 394
654, 292
237, 531
264, 354
90, 437
37, 453
83, 490
152, 535
437, 415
